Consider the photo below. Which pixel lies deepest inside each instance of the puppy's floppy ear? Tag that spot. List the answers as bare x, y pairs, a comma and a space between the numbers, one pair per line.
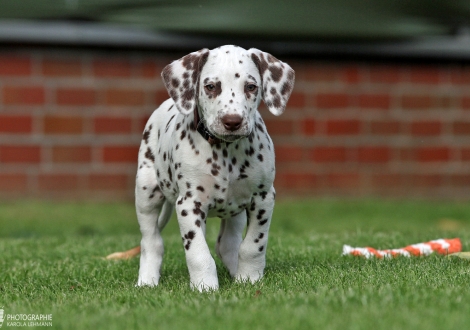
277, 80
181, 78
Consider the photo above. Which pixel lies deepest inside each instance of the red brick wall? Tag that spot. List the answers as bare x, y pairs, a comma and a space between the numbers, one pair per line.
71, 123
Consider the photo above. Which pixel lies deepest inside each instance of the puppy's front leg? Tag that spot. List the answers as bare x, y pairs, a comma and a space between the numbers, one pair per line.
201, 266
252, 253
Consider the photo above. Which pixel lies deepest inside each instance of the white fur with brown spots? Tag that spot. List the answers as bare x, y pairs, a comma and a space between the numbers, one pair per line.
229, 175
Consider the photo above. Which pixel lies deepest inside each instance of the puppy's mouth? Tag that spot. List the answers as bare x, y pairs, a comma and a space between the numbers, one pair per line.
230, 137
225, 135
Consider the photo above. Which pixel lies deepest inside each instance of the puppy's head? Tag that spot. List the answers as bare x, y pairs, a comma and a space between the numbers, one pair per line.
227, 85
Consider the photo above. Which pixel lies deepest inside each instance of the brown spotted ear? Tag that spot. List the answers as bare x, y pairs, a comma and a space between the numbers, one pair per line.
181, 79
277, 80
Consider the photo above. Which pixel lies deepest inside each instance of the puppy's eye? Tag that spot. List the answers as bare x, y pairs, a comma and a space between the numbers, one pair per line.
251, 87
210, 87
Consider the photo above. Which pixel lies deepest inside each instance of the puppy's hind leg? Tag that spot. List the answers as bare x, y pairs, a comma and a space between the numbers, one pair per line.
229, 240
149, 201
163, 218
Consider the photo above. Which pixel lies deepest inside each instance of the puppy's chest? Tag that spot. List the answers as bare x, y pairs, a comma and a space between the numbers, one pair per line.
223, 177
231, 188
223, 171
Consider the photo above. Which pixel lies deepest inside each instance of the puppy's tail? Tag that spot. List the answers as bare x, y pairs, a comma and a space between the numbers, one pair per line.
124, 255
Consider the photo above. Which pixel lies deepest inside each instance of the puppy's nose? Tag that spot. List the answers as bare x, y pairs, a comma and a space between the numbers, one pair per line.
232, 122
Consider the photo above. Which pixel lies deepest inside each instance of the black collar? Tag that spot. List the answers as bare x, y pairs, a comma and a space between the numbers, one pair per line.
202, 129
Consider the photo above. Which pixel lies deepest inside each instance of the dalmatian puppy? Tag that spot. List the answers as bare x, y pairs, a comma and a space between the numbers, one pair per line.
206, 152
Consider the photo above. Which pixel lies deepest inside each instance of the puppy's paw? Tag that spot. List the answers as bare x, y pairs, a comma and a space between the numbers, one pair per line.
150, 281
252, 277
205, 286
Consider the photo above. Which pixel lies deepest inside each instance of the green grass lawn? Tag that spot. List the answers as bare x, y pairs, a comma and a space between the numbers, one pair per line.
51, 263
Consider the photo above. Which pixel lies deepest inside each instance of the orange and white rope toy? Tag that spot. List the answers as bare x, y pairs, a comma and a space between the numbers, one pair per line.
441, 246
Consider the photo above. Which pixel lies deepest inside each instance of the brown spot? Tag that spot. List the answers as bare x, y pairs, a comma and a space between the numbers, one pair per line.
272, 59
286, 88
276, 73
260, 62
248, 94
277, 101
149, 155
146, 136
166, 73
188, 95
190, 61
175, 82
218, 89
291, 75
174, 95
